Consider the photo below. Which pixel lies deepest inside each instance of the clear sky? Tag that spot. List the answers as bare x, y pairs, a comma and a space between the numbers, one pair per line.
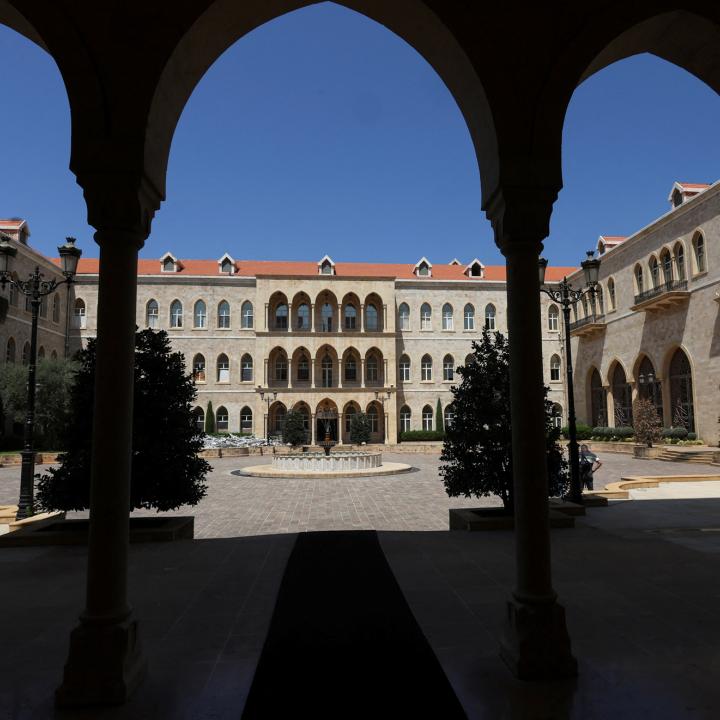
322, 132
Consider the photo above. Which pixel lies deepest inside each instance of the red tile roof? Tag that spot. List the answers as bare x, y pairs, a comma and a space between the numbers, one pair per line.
12, 223
694, 185
257, 268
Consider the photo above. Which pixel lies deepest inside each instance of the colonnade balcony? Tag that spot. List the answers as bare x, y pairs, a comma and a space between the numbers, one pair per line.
590, 325
329, 318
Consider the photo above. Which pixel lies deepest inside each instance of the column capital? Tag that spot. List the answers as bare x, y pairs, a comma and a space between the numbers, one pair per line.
520, 216
120, 205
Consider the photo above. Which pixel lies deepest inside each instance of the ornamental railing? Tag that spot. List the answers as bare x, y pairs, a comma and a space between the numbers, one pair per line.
670, 286
591, 319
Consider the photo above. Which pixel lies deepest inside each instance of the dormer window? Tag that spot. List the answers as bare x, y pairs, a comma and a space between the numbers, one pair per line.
423, 268
475, 269
226, 265
677, 197
326, 266
169, 263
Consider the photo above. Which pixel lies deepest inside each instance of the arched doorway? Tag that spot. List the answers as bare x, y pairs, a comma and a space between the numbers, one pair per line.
681, 391
598, 401
276, 419
649, 386
622, 397
326, 421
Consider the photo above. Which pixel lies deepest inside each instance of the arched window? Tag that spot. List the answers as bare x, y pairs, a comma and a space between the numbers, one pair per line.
303, 316
79, 316
26, 353
176, 314
425, 317
278, 417
350, 317
555, 368
699, 252
598, 402
469, 359
654, 272
553, 317
281, 317
326, 317
426, 368
152, 314
199, 368
227, 267
246, 420
448, 367
611, 294
667, 267
350, 412
41, 353
557, 415
371, 318
53, 356
246, 368
10, 351
449, 415
371, 368
681, 391
447, 317
372, 414
649, 385
199, 315
404, 369
247, 314
469, 317
327, 371
350, 368
427, 418
222, 422
43, 306
680, 261
199, 419
303, 368
404, 315
168, 265
490, 317
639, 287
405, 416
281, 366
223, 320
223, 368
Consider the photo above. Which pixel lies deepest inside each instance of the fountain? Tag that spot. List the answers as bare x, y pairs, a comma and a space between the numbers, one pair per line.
343, 463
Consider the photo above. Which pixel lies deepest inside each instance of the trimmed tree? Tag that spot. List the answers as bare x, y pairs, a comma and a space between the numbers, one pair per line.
293, 429
439, 420
477, 451
209, 419
646, 422
166, 469
360, 428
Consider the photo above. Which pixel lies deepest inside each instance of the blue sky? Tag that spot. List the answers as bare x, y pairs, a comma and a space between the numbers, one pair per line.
322, 132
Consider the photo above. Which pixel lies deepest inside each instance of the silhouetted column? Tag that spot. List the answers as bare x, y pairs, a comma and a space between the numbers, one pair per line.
536, 645
105, 661
313, 429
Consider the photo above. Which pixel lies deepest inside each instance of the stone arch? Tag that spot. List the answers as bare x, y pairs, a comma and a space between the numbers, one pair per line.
680, 376
278, 311
350, 312
300, 366
275, 418
199, 369
648, 381
328, 425
301, 311
326, 367
349, 409
224, 22
374, 367
376, 415
278, 371
621, 392
374, 314
597, 399
351, 367
326, 312
304, 409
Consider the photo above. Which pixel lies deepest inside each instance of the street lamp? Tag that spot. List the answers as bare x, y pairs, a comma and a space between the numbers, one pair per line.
383, 397
35, 288
566, 296
269, 397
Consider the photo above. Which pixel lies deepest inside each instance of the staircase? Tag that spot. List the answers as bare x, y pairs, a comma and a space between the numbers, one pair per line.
687, 454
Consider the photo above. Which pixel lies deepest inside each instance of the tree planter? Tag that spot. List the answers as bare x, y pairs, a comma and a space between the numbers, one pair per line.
643, 451
474, 519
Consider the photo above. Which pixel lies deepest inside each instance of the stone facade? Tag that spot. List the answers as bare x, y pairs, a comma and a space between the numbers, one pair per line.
662, 330
376, 338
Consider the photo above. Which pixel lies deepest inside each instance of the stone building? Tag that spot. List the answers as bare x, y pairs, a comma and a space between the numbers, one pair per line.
265, 337
654, 330
15, 312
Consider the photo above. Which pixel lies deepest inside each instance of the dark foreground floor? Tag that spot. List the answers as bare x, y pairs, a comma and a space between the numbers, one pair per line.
640, 582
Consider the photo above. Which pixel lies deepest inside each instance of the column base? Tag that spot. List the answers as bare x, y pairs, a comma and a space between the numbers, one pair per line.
105, 665
536, 644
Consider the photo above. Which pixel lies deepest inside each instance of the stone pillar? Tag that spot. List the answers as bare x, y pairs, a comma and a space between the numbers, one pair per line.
105, 662
384, 325
362, 372
362, 317
536, 645
666, 401
312, 372
385, 373
290, 317
312, 317
267, 316
339, 318
266, 377
340, 429
313, 429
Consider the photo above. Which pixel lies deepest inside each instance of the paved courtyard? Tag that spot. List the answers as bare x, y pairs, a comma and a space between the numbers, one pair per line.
242, 506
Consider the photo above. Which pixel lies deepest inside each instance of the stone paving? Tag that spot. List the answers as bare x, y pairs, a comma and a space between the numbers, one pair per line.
243, 506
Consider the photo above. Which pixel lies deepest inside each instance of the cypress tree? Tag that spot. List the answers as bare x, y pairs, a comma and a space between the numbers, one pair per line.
439, 424
209, 419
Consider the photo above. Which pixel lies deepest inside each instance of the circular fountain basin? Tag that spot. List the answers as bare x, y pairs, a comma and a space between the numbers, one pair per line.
316, 464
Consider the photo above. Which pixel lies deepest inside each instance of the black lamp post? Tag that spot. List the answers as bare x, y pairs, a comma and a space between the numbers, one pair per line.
269, 397
35, 288
566, 296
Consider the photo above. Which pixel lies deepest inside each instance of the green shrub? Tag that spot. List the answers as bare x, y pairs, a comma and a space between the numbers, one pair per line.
675, 433
692, 436
360, 428
583, 432
417, 435
293, 428
622, 432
